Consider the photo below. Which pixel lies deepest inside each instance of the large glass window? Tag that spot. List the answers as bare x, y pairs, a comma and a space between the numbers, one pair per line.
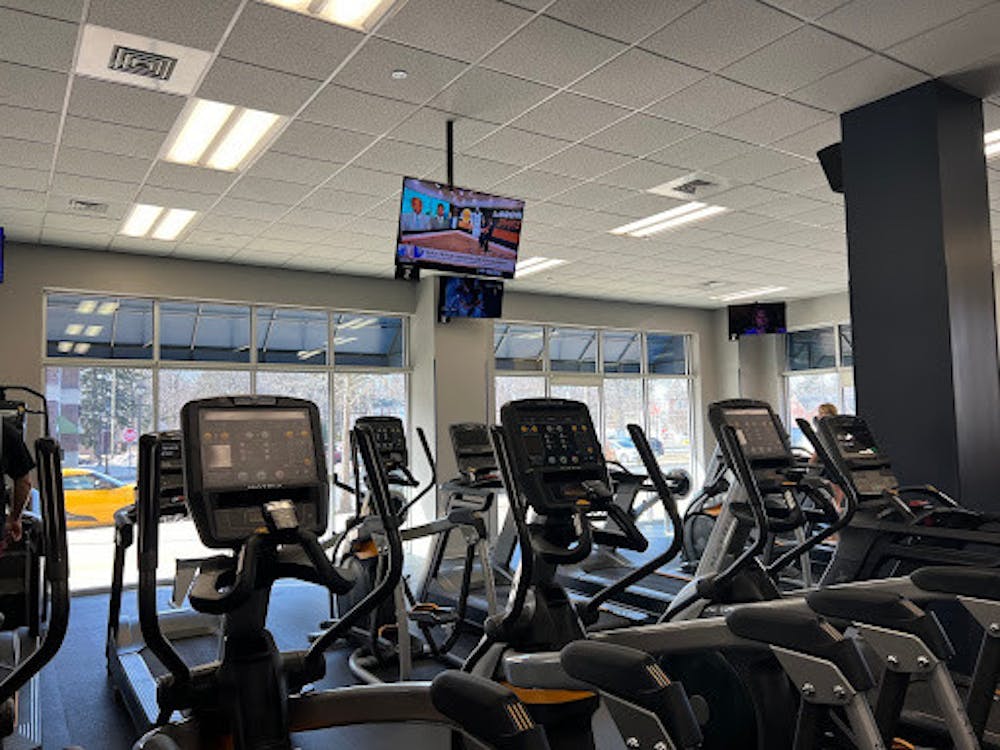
814, 349
573, 350
368, 341
295, 336
623, 405
512, 387
667, 354
519, 347
588, 393
846, 345
312, 386
622, 351
805, 392
197, 332
669, 410
99, 327
177, 387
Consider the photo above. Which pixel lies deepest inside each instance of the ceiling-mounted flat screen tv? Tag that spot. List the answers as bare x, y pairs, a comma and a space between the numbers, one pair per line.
455, 229
756, 318
468, 297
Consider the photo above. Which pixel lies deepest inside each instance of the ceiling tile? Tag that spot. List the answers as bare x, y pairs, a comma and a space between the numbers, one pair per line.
491, 96
320, 142
66, 10
63, 204
78, 223
863, 82
122, 244
90, 188
403, 158
709, 102
111, 139
355, 110
639, 135
955, 46
274, 247
27, 154
641, 175
246, 226
534, 183
125, 105
33, 40
170, 198
202, 237
719, 32
593, 195
371, 70
194, 179
28, 124
61, 237
795, 60
367, 181
339, 202
808, 9
746, 196
244, 209
98, 164
463, 32
806, 177
700, 151
148, 18
770, 122
637, 78
625, 20
269, 191
32, 88
24, 179
319, 219
251, 86
807, 142
888, 22
583, 162
471, 170
640, 205
280, 39
569, 116
552, 52
515, 146
295, 232
427, 127
276, 166
21, 199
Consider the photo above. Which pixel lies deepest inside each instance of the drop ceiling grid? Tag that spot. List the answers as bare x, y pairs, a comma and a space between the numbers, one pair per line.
279, 214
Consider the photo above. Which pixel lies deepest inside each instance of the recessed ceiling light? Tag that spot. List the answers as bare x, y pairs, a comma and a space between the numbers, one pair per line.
536, 265
86, 306
107, 308
65, 346
341, 340
218, 136
356, 14
145, 218
763, 292
74, 329
355, 323
92, 331
307, 354
140, 219
82, 348
992, 143
200, 127
399, 75
173, 224
675, 217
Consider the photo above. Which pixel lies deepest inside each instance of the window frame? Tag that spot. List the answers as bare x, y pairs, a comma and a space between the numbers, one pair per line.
844, 372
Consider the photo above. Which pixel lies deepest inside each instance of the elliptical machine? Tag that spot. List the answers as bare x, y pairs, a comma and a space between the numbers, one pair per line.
255, 480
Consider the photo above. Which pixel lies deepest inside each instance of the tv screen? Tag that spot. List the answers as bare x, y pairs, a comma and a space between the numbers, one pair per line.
453, 229
757, 318
464, 297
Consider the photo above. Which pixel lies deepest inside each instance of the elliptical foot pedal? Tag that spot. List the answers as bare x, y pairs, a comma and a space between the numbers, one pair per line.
429, 614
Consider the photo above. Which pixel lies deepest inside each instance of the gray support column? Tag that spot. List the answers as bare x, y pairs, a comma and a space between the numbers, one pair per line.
760, 359
925, 338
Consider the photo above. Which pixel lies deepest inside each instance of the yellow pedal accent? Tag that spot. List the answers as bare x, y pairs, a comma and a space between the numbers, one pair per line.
547, 697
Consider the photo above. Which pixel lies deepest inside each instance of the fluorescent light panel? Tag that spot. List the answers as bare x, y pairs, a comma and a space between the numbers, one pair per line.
107, 308
536, 265
750, 293
93, 331
74, 329
219, 136
82, 348
141, 219
86, 306
156, 222
65, 346
658, 218
702, 213
355, 14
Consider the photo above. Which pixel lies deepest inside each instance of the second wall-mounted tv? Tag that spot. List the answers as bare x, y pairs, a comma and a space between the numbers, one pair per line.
455, 229
466, 297
756, 318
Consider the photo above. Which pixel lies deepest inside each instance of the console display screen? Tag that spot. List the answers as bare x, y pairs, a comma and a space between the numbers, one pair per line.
757, 433
854, 440
562, 441
257, 448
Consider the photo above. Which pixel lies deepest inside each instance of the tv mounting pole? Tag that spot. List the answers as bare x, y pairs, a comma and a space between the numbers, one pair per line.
449, 130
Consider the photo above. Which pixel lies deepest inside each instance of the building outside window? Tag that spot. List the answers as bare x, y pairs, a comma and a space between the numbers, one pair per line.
819, 369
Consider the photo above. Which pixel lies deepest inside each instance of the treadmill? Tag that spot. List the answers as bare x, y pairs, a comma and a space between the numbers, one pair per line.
132, 668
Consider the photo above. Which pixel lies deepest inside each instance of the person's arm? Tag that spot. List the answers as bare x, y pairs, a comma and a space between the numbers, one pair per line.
17, 465
22, 493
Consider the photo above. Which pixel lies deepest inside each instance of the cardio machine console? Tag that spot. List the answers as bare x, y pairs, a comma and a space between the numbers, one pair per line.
760, 434
243, 452
854, 442
473, 451
556, 457
390, 440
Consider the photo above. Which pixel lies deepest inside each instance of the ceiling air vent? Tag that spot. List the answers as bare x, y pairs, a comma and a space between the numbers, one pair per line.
142, 63
88, 207
691, 187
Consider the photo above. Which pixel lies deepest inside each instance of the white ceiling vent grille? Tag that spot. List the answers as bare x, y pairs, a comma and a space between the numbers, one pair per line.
696, 186
142, 63
112, 55
95, 208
